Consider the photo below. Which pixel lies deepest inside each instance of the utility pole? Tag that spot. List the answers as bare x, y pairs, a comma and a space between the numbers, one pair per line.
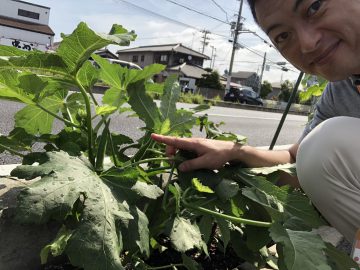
212, 55
235, 46
262, 72
213, 63
205, 38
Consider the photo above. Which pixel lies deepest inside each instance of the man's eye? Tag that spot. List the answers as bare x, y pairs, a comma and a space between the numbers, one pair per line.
314, 7
281, 37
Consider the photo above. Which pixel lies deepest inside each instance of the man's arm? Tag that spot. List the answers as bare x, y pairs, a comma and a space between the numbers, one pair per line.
254, 157
213, 154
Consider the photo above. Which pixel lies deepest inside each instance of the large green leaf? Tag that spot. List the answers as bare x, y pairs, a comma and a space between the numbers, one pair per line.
144, 106
76, 48
184, 235
114, 97
340, 260
136, 233
300, 250
182, 123
274, 207
295, 203
130, 182
37, 121
9, 87
40, 63
17, 140
120, 77
287, 168
226, 189
96, 241
88, 75
169, 98
71, 141
12, 51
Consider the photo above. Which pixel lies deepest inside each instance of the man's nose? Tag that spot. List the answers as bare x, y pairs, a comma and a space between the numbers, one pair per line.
309, 39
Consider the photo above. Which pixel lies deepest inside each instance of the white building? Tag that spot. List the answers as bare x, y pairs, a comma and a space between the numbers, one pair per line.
25, 25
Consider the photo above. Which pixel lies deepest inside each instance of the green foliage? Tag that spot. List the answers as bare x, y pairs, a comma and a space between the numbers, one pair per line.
266, 88
210, 80
286, 88
314, 90
123, 211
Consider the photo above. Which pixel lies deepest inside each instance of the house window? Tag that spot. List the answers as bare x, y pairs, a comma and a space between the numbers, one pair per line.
163, 58
135, 58
29, 14
142, 59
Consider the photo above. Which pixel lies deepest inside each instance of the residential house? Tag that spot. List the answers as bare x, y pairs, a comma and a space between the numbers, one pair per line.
25, 25
106, 53
246, 78
178, 59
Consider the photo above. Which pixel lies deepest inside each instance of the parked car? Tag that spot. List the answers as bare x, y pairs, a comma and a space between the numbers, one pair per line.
243, 95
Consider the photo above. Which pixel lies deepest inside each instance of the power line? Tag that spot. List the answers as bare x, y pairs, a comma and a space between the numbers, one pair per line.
196, 11
159, 15
221, 8
166, 18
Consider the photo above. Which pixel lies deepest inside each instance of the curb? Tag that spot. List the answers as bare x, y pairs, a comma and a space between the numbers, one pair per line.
252, 107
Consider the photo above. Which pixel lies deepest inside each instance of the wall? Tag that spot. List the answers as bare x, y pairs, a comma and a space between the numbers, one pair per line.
148, 57
280, 105
10, 8
39, 41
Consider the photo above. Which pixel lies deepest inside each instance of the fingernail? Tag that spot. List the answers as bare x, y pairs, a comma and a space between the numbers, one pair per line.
182, 167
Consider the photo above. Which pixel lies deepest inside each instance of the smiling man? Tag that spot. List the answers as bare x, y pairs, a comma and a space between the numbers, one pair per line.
321, 38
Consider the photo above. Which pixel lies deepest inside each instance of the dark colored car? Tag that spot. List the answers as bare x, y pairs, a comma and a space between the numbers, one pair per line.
243, 95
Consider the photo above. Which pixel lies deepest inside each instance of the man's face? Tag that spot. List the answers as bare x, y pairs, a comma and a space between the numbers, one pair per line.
318, 37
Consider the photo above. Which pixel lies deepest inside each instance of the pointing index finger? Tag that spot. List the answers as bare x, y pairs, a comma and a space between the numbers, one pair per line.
180, 143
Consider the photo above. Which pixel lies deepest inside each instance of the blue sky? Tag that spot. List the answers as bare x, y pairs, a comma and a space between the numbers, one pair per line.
163, 22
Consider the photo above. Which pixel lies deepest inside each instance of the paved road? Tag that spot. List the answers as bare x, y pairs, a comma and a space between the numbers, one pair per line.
258, 126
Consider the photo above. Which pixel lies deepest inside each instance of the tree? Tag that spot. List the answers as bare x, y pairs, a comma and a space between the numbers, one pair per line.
210, 80
266, 88
286, 88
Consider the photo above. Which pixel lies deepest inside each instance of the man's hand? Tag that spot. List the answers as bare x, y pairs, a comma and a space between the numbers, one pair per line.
211, 154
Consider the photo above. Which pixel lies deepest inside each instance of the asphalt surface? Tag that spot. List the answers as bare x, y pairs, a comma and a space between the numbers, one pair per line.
258, 126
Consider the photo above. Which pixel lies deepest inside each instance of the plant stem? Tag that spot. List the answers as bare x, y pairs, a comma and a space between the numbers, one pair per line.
158, 169
165, 266
69, 115
88, 121
224, 216
163, 203
57, 117
122, 150
113, 152
145, 161
155, 151
11, 150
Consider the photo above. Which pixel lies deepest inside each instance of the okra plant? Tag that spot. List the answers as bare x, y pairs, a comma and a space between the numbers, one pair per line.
117, 210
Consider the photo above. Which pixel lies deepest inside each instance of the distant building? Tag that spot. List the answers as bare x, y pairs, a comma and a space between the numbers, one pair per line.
246, 78
25, 25
177, 58
106, 53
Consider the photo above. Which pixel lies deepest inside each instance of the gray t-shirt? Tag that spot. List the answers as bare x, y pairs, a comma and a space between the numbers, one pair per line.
339, 98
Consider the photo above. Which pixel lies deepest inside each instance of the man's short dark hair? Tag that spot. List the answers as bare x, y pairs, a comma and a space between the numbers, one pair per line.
252, 7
